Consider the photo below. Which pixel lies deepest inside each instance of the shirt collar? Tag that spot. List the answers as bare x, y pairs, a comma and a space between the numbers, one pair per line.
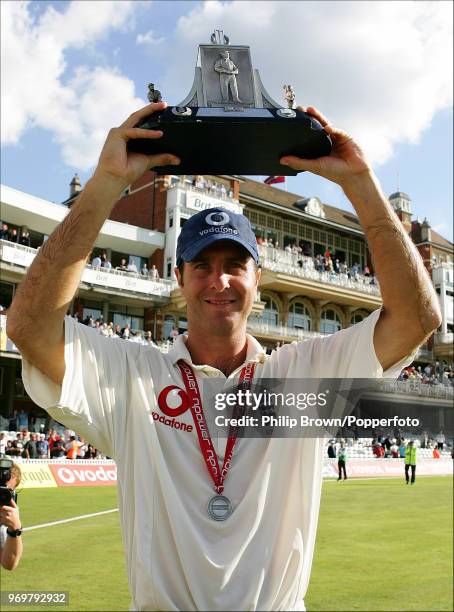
179, 351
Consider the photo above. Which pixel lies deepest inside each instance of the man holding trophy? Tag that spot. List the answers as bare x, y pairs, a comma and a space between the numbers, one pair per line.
209, 525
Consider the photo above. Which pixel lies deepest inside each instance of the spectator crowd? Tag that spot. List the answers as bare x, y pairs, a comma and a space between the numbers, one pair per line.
327, 262
115, 331
393, 444
217, 190
102, 261
50, 445
438, 373
12, 235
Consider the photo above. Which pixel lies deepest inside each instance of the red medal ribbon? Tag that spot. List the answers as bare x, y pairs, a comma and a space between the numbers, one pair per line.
206, 445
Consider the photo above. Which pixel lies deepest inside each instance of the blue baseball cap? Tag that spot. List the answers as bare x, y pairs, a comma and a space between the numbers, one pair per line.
206, 227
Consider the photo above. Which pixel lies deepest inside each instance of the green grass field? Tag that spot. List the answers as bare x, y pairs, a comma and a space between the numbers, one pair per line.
381, 545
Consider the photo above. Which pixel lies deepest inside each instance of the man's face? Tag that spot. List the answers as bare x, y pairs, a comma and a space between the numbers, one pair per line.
219, 287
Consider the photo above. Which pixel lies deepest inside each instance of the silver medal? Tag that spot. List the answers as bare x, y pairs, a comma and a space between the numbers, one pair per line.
219, 508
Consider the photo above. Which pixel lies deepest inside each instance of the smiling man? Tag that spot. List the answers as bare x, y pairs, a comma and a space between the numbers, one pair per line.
209, 524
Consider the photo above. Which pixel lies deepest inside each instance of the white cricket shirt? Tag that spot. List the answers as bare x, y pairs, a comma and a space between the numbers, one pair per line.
177, 557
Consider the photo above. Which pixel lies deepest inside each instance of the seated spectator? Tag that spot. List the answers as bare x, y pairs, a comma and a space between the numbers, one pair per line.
82, 449
387, 443
378, 450
58, 449
123, 266
174, 333
440, 439
24, 238
91, 452
343, 268
436, 453
200, 182
132, 267
42, 447
13, 235
72, 448
3, 443
4, 232
394, 451
96, 262
15, 449
53, 437
105, 263
137, 337
30, 451
354, 271
144, 271
117, 331
148, 340
154, 274
105, 330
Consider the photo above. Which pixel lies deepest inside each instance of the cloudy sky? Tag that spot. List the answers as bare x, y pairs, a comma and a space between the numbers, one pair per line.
380, 70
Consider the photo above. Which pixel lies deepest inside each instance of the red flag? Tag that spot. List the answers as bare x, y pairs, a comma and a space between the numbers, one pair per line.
274, 179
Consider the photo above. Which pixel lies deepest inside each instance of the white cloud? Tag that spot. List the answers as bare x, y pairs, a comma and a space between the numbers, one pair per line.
379, 70
35, 87
149, 39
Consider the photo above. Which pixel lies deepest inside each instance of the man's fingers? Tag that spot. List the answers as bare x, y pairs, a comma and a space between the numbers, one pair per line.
312, 165
141, 133
146, 111
162, 159
318, 115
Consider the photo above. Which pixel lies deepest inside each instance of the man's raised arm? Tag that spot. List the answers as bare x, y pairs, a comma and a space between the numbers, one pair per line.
53, 278
411, 311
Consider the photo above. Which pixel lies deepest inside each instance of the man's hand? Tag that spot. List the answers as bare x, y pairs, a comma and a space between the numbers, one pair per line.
121, 167
9, 516
345, 162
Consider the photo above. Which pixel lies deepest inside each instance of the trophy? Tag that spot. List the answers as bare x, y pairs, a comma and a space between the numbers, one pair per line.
228, 123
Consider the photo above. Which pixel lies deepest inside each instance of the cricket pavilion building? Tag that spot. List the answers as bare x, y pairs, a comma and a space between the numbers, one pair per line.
299, 296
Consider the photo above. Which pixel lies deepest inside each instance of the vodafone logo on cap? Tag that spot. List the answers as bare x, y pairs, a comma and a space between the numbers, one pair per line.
217, 218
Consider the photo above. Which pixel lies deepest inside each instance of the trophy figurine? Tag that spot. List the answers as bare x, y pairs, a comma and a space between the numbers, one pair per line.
229, 123
289, 95
154, 95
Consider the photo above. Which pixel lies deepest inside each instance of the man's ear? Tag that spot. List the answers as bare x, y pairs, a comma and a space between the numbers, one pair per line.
258, 275
178, 276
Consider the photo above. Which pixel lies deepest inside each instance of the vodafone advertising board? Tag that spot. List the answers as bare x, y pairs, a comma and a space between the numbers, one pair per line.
69, 475
95, 475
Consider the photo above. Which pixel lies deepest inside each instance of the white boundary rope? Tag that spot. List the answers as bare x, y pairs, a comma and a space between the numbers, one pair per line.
69, 520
